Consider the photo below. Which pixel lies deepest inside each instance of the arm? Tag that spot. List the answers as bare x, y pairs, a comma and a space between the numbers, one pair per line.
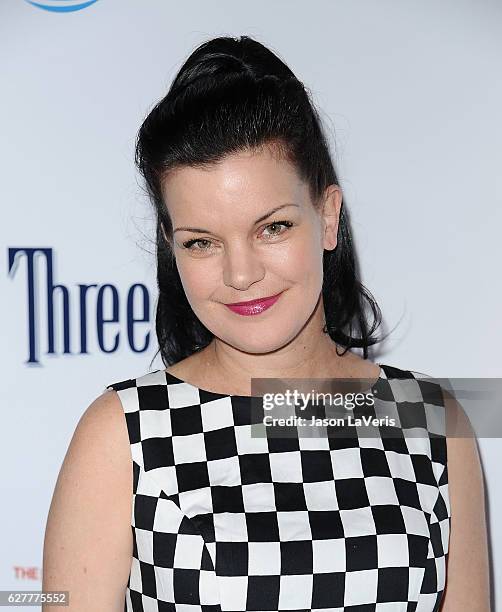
88, 538
467, 581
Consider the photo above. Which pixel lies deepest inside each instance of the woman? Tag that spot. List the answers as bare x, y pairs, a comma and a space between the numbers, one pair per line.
177, 506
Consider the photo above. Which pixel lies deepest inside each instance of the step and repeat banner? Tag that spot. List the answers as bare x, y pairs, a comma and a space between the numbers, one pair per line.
410, 97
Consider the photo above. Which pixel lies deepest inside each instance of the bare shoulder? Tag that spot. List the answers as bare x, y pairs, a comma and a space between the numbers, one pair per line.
104, 418
467, 584
100, 437
88, 540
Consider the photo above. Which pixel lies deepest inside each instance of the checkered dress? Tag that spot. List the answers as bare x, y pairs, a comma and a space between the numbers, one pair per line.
224, 520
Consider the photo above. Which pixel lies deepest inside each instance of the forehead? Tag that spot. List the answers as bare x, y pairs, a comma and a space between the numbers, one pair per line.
251, 180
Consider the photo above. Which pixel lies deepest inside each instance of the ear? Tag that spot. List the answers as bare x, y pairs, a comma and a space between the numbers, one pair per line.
330, 215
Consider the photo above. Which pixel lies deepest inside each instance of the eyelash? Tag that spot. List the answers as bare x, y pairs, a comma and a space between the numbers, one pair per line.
188, 244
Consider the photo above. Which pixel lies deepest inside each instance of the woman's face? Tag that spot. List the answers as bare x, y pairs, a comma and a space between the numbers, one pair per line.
230, 247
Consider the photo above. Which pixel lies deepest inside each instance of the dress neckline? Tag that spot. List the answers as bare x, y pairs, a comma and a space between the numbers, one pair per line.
172, 379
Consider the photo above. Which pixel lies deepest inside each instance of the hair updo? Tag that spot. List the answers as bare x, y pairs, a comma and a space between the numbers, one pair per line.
231, 95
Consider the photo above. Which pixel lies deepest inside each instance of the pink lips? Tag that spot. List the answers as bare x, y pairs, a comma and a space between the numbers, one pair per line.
253, 307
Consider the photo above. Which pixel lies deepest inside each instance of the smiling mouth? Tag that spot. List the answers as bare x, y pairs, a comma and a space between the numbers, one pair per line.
254, 307
251, 302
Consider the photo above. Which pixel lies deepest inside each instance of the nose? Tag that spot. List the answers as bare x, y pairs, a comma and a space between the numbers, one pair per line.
242, 266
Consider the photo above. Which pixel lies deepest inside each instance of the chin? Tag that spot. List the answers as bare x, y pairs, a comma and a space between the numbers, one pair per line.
262, 341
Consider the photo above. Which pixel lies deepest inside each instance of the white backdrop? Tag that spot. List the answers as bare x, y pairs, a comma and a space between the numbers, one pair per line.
411, 96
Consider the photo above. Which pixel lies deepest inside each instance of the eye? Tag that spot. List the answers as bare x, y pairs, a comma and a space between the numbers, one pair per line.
188, 244
205, 244
287, 224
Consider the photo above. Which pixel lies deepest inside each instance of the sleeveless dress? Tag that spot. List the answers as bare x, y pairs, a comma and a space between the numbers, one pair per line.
226, 521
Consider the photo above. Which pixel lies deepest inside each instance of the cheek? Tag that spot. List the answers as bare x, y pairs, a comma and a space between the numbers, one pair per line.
300, 262
199, 279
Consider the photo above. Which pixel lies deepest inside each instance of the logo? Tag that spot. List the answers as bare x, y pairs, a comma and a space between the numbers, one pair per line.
70, 320
62, 6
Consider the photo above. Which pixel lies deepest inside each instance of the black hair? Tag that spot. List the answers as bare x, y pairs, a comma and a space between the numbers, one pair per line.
232, 95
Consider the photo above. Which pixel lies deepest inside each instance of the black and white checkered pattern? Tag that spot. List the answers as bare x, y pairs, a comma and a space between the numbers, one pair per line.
226, 521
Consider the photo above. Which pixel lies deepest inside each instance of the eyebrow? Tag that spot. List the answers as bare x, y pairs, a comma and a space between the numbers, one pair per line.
266, 216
